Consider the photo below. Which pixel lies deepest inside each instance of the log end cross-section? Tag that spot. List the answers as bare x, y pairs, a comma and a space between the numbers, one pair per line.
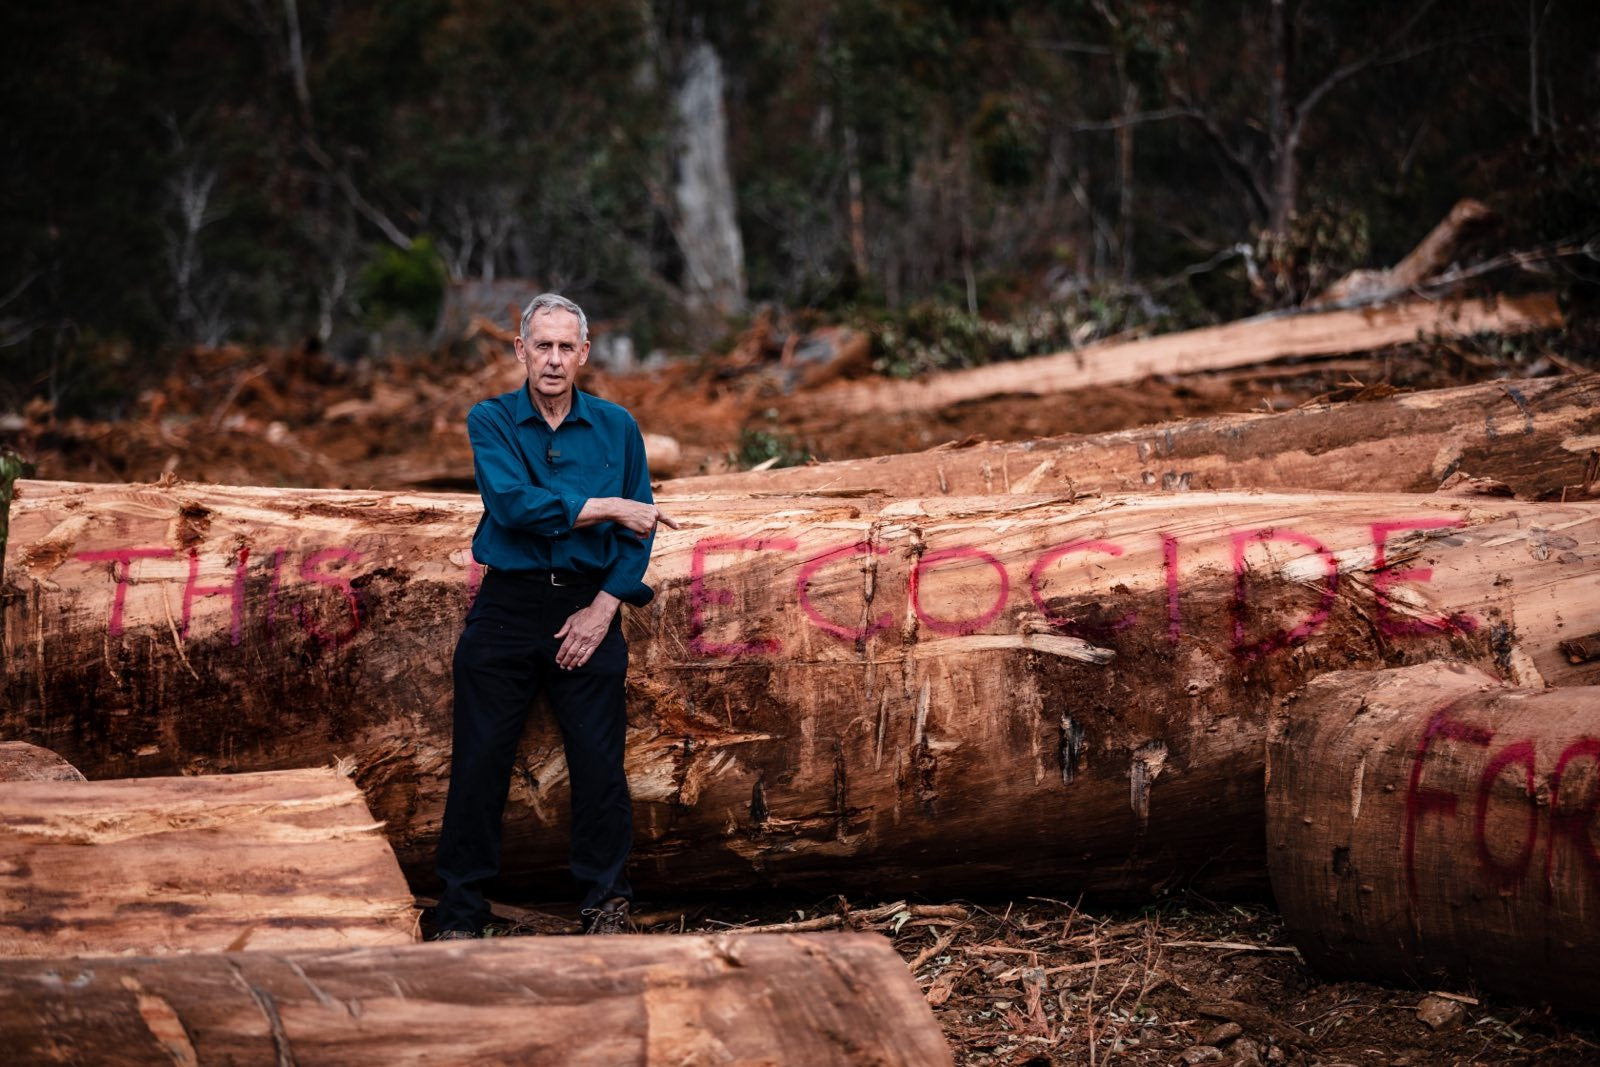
1431, 825
273, 860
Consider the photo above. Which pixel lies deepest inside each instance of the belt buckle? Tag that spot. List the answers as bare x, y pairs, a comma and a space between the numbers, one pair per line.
555, 580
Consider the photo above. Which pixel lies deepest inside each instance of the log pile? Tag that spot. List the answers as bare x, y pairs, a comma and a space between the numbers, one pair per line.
823, 694
1538, 438
832, 999
1048, 665
1235, 344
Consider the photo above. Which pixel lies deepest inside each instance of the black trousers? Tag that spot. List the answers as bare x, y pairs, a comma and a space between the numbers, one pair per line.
504, 659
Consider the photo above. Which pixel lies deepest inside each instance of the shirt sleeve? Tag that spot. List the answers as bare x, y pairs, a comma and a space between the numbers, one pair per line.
509, 494
626, 578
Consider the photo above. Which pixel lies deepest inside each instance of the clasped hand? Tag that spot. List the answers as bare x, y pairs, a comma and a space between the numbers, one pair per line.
583, 631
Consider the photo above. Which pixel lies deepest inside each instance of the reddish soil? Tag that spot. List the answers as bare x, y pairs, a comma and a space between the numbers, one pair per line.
232, 416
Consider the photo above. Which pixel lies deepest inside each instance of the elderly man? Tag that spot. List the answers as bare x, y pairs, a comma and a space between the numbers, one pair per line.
567, 526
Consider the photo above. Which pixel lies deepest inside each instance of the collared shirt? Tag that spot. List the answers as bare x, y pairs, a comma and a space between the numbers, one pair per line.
534, 481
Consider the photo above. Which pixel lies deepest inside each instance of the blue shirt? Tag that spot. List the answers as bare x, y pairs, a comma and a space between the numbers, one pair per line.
534, 481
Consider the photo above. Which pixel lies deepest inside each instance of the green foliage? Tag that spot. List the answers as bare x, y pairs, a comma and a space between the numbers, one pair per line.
1009, 146
408, 282
935, 335
767, 445
12, 467
1321, 246
888, 155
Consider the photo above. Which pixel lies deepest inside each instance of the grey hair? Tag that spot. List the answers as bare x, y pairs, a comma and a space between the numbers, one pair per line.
554, 302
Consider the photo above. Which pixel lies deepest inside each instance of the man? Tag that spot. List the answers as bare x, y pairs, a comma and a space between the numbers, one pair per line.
568, 521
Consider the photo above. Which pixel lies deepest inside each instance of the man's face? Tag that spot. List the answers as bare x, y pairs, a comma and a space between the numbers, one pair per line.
552, 352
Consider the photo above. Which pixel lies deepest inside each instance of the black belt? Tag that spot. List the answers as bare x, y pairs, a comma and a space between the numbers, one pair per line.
552, 577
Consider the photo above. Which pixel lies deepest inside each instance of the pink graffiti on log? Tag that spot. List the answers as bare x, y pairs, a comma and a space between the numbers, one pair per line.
335, 567
1503, 874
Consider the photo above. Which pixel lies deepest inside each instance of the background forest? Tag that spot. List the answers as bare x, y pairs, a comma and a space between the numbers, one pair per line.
1017, 176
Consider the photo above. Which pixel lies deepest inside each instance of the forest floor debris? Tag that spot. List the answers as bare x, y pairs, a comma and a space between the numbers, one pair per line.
1038, 982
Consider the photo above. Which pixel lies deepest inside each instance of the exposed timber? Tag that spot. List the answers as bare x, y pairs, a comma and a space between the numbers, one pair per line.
288, 859
1537, 436
817, 999
1235, 344
933, 694
1432, 826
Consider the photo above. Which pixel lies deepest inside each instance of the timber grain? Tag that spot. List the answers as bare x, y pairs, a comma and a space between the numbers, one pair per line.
1434, 827
276, 860
805, 1000
1536, 436
929, 695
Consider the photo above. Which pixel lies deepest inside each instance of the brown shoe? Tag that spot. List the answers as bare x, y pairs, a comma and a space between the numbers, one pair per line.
609, 918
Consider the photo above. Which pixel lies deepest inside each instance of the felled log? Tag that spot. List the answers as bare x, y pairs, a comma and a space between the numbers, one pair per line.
820, 999
290, 859
1536, 436
1432, 826
1234, 344
22, 762
933, 695
1432, 254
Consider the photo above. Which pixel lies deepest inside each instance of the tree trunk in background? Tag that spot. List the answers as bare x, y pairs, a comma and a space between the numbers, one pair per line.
1280, 119
705, 217
938, 695
1434, 827
289, 859
1535, 436
1234, 344
831, 999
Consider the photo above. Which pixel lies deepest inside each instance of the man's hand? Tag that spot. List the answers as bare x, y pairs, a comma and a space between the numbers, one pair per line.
584, 629
632, 515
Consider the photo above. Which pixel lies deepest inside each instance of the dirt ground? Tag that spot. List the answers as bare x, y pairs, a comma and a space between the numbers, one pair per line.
1011, 981
294, 419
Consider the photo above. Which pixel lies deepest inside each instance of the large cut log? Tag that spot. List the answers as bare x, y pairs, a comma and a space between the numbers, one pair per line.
934, 695
1536, 436
1234, 344
1430, 825
820, 999
288, 859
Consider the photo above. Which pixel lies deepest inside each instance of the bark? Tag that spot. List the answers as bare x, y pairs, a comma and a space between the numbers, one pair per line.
1535, 436
22, 762
1432, 826
1235, 344
822, 695
704, 216
291, 859
840, 999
